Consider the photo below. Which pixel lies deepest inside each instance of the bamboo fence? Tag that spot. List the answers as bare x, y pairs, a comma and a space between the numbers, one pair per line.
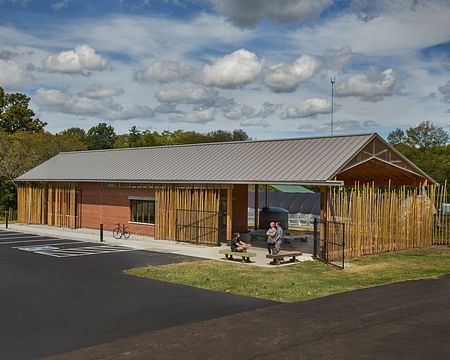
380, 220
441, 228
187, 214
51, 204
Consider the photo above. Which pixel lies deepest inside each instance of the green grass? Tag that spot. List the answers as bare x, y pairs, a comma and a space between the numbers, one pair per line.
305, 280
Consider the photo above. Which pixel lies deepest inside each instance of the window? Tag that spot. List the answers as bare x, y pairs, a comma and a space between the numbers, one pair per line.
142, 211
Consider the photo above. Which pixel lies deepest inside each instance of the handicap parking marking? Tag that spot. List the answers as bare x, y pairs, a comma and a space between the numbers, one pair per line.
58, 252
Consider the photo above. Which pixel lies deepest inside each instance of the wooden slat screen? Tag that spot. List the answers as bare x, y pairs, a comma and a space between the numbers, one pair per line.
193, 201
381, 220
51, 204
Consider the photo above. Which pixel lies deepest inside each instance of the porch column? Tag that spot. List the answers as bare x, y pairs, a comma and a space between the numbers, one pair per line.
256, 206
229, 212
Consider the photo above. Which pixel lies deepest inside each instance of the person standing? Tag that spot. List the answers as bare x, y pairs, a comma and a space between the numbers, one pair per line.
271, 237
278, 238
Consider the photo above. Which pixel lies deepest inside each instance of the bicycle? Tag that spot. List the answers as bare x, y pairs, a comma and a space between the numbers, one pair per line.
120, 231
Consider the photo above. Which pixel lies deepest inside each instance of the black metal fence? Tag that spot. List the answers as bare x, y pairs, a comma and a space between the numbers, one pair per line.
200, 227
329, 242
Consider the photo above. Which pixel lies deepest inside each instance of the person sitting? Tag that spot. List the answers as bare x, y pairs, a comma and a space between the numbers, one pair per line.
237, 245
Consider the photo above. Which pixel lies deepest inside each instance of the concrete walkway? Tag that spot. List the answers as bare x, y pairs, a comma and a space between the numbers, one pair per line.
148, 243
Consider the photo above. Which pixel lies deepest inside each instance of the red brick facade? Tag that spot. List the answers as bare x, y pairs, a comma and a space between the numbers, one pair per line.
110, 206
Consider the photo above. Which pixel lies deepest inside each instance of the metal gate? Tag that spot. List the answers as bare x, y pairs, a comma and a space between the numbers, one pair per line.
200, 227
329, 242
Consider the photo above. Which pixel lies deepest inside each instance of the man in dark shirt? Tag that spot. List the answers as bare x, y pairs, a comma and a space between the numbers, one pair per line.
237, 245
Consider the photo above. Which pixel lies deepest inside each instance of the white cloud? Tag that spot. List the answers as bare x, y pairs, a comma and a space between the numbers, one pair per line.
445, 91
233, 70
198, 116
371, 86
165, 71
254, 123
57, 101
80, 60
98, 91
186, 96
287, 77
239, 111
58, 5
12, 75
251, 12
335, 60
310, 108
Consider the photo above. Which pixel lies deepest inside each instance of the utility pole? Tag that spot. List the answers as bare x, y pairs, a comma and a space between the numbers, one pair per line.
333, 80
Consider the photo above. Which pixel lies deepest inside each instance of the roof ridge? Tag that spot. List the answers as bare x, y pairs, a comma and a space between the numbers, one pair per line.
218, 143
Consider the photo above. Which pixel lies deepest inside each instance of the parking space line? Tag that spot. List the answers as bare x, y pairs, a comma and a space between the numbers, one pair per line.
14, 236
83, 250
63, 243
25, 241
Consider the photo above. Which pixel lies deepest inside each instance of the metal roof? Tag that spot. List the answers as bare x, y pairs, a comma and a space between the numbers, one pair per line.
284, 161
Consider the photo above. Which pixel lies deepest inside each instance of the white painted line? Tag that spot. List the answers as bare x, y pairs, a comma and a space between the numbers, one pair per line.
24, 241
14, 236
64, 243
64, 253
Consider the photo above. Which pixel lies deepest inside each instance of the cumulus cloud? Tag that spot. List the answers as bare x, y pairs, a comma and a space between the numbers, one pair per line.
445, 91
335, 60
98, 91
249, 13
197, 116
58, 101
79, 61
7, 55
371, 86
254, 123
239, 111
186, 96
166, 108
310, 108
165, 71
343, 125
233, 70
12, 75
287, 77
58, 5
268, 109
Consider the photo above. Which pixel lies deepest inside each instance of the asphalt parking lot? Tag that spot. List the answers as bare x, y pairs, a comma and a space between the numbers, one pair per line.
60, 295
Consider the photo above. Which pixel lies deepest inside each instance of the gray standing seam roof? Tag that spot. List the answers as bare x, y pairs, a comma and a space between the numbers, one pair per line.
301, 160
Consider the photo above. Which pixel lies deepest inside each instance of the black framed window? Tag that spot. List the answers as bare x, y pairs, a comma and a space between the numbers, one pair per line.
142, 211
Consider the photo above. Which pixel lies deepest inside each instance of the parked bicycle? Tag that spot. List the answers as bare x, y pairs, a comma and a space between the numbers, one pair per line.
121, 230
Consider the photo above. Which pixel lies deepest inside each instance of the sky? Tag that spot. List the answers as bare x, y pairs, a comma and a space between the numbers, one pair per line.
263, 66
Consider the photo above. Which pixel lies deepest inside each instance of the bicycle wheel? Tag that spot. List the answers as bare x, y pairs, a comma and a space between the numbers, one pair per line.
117, 233
126, 232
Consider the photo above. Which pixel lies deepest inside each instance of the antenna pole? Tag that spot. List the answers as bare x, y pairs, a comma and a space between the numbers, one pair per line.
333, 80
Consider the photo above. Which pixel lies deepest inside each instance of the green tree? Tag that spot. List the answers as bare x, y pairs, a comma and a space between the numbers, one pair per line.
75, 132
15, 114
426, 134
397, 136
134, 137
101, 136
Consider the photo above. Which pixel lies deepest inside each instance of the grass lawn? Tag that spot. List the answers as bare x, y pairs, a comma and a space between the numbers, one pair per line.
306, 280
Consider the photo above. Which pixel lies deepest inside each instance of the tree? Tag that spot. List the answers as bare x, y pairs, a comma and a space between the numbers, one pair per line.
15, 114
425, 135
101, 136
397, 137
134, 137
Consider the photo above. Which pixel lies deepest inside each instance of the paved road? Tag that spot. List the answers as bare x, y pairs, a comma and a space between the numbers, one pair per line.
409, 320
59, 295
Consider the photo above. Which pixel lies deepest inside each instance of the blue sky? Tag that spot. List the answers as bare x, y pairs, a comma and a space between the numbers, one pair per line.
260, 65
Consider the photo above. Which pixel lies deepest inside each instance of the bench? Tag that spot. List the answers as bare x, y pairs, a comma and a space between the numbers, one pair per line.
278, 258
244, 255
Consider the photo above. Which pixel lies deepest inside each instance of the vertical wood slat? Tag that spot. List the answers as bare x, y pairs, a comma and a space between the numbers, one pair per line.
385, 220
52, 204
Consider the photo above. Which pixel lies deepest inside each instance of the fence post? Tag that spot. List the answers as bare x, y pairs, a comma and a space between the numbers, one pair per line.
101, 232
316, 240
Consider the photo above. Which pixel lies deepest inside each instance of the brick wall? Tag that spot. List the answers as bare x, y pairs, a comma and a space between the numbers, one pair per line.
109, 206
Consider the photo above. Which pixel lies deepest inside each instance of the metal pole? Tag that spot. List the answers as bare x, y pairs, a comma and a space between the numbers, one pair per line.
6, 218
333, 80
316, 240
101, 232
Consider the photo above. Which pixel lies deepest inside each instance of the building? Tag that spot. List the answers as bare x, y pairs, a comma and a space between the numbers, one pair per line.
197, 193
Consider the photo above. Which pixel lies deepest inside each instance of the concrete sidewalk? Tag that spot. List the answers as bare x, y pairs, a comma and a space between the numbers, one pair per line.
148, 243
